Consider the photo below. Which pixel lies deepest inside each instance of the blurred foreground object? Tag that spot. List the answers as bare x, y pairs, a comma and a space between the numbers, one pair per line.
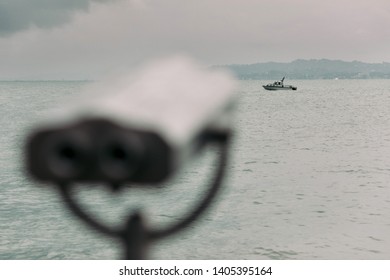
137, 129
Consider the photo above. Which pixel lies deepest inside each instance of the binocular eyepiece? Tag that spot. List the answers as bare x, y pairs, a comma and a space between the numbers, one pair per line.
98, 150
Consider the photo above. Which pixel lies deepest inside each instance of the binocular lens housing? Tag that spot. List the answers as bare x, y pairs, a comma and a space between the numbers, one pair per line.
121, 156
67, 155
96, 151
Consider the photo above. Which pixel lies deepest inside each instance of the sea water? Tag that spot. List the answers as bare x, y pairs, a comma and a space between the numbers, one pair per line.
308, 178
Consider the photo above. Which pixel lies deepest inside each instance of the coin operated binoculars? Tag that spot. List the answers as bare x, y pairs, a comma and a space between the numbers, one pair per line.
138, 130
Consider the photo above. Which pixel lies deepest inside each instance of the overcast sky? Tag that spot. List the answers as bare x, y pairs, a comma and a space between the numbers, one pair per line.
86, 39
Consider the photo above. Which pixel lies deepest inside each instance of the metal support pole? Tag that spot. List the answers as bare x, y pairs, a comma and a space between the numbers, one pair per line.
135, 238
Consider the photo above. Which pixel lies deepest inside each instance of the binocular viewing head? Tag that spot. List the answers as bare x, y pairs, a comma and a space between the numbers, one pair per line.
140, 128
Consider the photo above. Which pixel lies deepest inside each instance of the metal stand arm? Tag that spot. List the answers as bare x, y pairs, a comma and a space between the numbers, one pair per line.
134, 235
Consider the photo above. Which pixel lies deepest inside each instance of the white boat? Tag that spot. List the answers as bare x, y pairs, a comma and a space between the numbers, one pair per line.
278, 85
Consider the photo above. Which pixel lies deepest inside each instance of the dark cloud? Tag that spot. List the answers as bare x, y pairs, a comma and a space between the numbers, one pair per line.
17, 15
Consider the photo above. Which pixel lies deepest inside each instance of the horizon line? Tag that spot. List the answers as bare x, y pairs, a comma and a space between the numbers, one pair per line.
305, 59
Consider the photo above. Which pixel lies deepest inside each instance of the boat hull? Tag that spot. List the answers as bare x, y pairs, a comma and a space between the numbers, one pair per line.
280, 88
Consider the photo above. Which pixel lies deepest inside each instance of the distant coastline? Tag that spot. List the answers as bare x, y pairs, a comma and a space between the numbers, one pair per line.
310, 69
300, 69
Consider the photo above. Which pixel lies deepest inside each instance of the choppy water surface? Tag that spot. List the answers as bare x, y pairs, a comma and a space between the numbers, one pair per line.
309, 178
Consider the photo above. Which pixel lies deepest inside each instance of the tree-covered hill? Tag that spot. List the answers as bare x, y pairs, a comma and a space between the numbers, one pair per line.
311, 69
